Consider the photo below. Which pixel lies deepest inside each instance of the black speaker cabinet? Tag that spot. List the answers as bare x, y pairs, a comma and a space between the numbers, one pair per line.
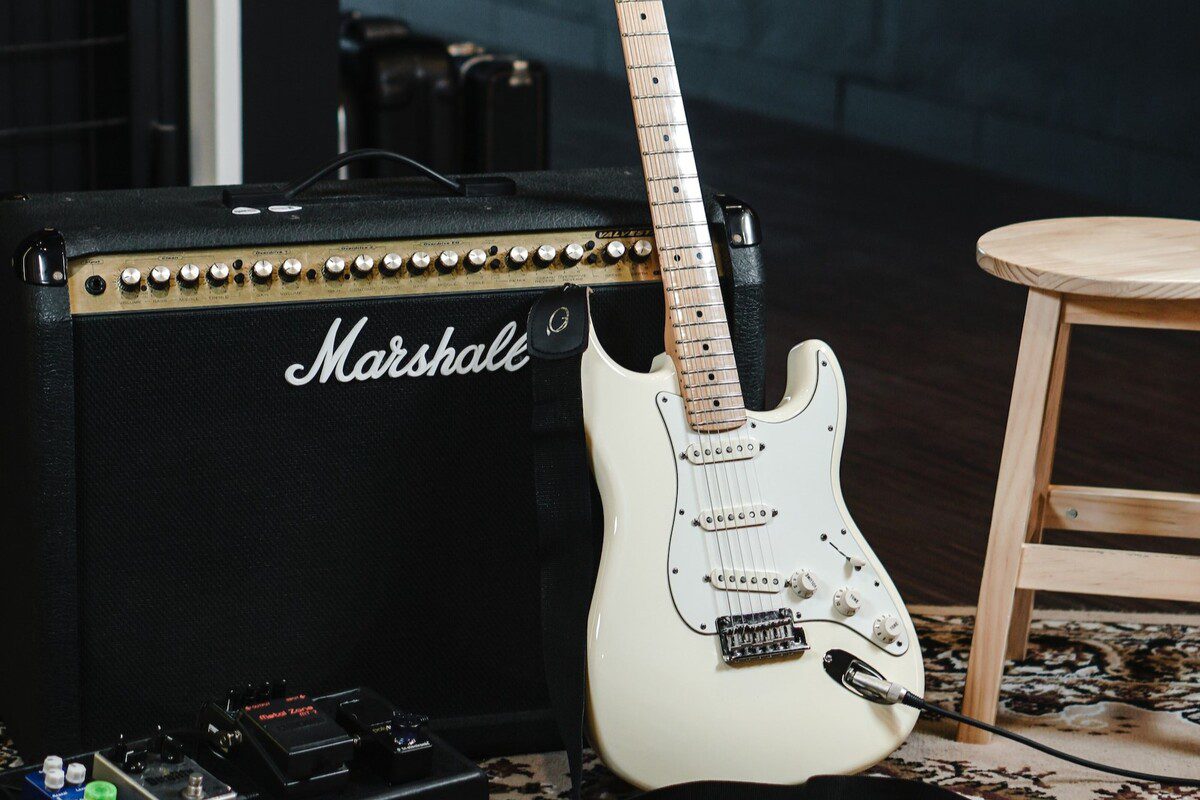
310, 463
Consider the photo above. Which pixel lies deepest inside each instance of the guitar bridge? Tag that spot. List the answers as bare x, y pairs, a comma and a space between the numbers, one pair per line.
759, 636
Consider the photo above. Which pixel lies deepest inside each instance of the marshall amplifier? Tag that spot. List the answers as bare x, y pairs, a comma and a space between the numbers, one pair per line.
292, 442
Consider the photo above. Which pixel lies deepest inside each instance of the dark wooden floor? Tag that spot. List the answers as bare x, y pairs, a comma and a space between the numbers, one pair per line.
873, 252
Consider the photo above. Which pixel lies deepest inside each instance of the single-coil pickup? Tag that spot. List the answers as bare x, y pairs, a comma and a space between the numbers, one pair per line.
737, 448
741, 580
723, 519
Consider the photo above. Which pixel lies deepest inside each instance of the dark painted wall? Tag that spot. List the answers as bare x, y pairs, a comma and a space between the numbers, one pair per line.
1099, 97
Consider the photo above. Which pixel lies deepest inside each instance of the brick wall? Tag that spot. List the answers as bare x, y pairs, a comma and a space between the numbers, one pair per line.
1099, 97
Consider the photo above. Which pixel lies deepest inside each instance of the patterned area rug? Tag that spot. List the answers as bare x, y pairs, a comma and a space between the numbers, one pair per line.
1119, 689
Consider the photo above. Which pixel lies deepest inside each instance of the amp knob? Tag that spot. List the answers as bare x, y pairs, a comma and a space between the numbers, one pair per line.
545, 255
363, 265
189, 274
160, 277
518, 257
887, 629
335, 266
218, 274
262, 272
614, 252
803, 584
290, 269
391, 264
642, 249
419, 263
476, 259
447, 261
131, 279
572, 255
846, 601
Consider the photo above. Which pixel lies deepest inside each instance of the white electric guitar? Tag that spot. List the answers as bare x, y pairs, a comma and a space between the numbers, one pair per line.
734, 589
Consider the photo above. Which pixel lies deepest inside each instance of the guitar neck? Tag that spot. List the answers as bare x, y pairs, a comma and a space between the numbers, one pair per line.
697, 330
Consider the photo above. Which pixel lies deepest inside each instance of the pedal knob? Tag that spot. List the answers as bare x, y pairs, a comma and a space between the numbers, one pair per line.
290, 269
518, 257
189, 274
545, 255
614, 252
803, 584
846, 601
887, 629
262, 272
160, 277
572, 255
419, 263
218, 274
391, 264
76, 773
363, 265
447, 261
54, 779
642, 249
131, 279
476, 259
334, 267
52, 762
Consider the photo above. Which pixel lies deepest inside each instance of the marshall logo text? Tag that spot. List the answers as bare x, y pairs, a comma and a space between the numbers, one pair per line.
506, 352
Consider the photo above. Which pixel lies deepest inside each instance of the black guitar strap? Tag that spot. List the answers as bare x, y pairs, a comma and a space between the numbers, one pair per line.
558, 336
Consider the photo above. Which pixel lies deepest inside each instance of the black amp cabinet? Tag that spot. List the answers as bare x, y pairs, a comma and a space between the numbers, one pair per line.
250, 444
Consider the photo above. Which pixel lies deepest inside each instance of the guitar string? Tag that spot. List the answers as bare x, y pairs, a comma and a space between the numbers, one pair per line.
720, 556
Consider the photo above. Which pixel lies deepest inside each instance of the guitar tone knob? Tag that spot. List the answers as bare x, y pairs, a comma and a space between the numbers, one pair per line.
334, 267
803, 584
447, 261
391, 264
189, 274
846, 601
545, 255
887, 629
419, 263
572, 254
642, 249
363, 265
518, 257
476, 259
160, 277
614, 252
262, 272
290, 269
131, 279
218, 274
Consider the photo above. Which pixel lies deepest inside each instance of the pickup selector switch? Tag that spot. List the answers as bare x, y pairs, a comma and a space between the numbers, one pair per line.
189, 274
642, 249
419, 263
290, 269
476, 259
218, 274
614, 252
803, 584
447, 261
391, 264
335, 266
363, 265
887, 629
572, 254
131, 279
518, 257
160, 277
846, 601
262, 272
545, 255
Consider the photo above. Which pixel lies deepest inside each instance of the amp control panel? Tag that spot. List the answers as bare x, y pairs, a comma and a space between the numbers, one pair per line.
233, 276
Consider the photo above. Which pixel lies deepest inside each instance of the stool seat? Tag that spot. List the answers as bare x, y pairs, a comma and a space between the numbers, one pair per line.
1126, 257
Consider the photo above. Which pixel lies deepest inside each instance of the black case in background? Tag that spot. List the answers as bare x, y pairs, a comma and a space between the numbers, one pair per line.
178, 519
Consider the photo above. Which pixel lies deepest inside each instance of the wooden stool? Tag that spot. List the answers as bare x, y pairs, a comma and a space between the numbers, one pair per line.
1117, 271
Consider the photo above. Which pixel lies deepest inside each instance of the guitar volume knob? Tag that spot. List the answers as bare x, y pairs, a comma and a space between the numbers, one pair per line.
887, 629
803, 584
846, 601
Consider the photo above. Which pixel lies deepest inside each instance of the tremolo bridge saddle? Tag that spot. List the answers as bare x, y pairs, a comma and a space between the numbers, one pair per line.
759, 636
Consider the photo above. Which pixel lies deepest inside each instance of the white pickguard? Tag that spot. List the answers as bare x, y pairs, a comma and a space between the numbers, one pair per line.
792, 474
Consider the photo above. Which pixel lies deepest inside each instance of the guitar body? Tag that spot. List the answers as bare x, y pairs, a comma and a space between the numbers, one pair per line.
664, 705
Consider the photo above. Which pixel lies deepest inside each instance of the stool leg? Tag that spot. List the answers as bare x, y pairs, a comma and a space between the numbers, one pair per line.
1013, 509
1018, 631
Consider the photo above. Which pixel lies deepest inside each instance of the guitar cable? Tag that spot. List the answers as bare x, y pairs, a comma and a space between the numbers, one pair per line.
880, 690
